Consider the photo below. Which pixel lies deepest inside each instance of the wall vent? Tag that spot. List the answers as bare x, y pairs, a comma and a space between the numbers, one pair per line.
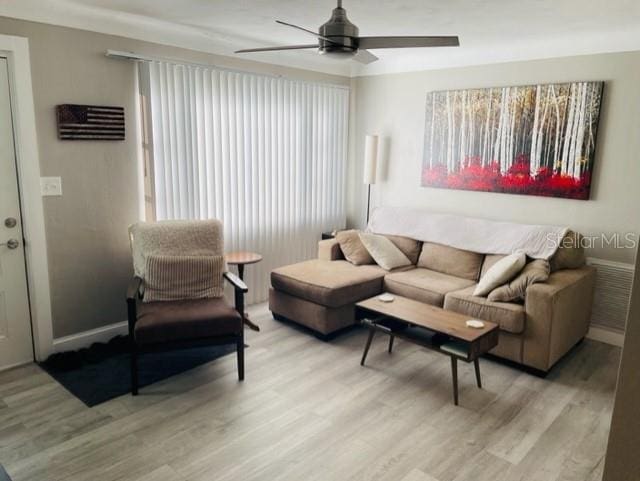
613, 291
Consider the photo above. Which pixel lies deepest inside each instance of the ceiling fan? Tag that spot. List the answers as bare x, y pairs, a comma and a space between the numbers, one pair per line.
339, 38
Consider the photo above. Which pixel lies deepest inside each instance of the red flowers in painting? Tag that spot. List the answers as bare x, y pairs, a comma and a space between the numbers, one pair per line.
516, 180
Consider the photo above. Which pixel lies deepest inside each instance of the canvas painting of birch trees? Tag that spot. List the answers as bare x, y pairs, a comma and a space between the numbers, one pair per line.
534, 140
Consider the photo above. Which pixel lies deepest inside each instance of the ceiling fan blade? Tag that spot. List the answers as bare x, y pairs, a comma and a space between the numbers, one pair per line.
407, 42
365, 57
315, 34
283, 47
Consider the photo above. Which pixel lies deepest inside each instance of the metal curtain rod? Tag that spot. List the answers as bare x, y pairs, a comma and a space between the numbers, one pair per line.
136, 57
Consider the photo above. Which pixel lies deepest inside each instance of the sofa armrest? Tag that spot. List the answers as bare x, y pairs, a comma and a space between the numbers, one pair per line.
329, 250
558, 314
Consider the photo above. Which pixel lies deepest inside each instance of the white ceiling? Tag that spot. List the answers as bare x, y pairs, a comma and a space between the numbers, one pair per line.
490, 31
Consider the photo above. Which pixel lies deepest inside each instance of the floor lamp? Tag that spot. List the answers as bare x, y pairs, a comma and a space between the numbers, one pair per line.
370, 166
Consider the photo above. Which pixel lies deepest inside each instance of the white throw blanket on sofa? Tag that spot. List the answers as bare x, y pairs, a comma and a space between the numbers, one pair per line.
468, 233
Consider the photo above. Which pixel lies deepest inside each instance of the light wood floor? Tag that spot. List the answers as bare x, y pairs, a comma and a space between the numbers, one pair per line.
308, 411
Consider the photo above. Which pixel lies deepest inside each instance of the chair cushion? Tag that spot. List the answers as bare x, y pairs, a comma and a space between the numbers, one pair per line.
423, 285
173, 278
509, 316
184, 320
328, 283
452, 261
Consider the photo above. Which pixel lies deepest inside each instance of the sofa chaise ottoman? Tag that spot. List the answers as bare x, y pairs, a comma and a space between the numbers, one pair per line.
321, 294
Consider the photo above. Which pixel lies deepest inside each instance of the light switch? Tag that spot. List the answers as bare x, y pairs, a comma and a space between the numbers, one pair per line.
50, 186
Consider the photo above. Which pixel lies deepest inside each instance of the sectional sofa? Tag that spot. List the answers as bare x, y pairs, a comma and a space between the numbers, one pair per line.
321, 293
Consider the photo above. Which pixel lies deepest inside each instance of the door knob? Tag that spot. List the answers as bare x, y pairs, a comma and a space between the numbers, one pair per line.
10, 222
11, 244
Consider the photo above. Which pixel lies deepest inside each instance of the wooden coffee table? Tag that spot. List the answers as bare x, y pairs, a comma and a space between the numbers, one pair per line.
431, 327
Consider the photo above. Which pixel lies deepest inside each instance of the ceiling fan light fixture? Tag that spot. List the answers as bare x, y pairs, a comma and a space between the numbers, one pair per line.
339, 38
337, 54
338, 35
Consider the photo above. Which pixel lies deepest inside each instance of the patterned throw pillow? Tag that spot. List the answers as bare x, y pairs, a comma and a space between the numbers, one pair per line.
172, 278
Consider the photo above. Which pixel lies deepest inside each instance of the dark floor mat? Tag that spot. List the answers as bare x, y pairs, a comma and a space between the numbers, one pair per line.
101, 372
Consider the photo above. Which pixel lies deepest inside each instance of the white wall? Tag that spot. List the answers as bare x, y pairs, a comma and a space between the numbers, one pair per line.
393, 106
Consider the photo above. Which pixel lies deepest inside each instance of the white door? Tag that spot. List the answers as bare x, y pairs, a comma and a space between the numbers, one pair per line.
15, 323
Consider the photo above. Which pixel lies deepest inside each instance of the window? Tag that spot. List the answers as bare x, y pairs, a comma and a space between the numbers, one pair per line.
265, 155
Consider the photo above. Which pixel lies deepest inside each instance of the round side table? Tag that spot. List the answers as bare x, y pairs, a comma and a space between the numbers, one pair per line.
241, 259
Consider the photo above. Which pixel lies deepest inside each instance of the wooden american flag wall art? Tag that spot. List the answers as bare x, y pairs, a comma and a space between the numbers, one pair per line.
90, 122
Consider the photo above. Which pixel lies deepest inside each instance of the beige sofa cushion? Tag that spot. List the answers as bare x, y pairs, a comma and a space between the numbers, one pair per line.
570, 253
535, 271
329, 283
509, 316
452, 261
423, 285
353, 248
409, 247
384, 252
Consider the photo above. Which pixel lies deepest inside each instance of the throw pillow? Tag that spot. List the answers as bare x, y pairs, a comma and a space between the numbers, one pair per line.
353, 248
502, 271
409, 247
172, 278
570, 253
384, 252
535, 271
489, 261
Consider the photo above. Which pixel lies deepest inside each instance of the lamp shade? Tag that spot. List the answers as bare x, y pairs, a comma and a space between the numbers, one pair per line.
370, 159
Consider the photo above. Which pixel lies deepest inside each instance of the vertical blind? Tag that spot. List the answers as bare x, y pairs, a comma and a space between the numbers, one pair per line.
265, 155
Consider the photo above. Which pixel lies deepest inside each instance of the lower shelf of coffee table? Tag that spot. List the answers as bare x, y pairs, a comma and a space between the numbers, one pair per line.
423, 337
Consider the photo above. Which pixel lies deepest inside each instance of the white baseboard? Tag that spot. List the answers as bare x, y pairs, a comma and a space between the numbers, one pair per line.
12, 366
607, 336
86, 338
